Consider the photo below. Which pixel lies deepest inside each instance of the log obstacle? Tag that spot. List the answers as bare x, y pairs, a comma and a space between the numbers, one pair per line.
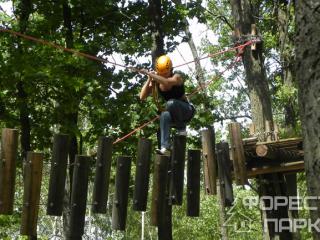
177, 170
274, 153
224, 170
193, 183
210, 163
160, 178
120, 200
165, 219
102, 175
165, 213
79, 196
237, 153
8, 158
140, 194
290, 144
58, 174
31, 194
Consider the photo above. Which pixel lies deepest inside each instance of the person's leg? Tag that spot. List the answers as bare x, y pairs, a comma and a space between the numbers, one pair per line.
165, 121
180, 111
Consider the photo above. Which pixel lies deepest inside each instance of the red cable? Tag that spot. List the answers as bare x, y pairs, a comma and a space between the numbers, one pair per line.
217, 53
44, 42
135, 130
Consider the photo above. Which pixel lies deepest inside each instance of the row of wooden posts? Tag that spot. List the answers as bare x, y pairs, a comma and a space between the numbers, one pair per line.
167, 189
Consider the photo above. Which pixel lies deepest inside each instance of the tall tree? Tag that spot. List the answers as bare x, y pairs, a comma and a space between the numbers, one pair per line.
308, 76
271, 185
286, 52
285, 48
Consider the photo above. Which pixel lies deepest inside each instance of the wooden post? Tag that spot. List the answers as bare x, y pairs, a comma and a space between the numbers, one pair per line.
8, 157
239, 163
140, 194
120, 200
291, 183
177, 169
79, 196
276, 132
165, 222
58, 174
193, 183
102, 177
252, 130
253, 33
210, 164
237, 37
165, 214
31, 195
224, 169
160, 178
269, 131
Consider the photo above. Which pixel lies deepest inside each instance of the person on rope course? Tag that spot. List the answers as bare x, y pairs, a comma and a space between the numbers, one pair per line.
178, 110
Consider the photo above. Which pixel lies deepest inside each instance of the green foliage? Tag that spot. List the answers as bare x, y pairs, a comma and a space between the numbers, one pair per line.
87, 99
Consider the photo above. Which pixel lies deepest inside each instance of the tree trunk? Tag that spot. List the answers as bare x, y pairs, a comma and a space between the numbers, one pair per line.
253, 61
308, 76
157, 48
287, 63
155, 14
243, 12
69, 120
24, 11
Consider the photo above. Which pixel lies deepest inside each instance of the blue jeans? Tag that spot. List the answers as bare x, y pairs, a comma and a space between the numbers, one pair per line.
177, 112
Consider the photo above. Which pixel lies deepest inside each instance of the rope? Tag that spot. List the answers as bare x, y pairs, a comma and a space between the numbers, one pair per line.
135, 130
220, 52
155, 95
59, 47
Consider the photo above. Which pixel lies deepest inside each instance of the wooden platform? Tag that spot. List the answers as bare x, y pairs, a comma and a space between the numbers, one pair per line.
285, 155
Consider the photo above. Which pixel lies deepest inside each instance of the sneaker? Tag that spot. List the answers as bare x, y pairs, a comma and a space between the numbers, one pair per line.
163, 151
182, 132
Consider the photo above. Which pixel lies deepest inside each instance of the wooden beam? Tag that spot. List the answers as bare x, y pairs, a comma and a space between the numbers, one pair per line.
58, 173
239, 160
79, 196
193, 183
224, 170
287, 167
253, 33
31, 194
250, 144
177, 169
102, 176
141, 187
8, 158
275, 153
120, 198
209, 161
160, 178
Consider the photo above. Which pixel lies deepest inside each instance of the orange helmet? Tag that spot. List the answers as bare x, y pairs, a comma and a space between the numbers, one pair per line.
163, 64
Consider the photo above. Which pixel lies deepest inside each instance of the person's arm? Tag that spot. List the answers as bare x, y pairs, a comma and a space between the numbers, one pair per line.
146, 89
174, 80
